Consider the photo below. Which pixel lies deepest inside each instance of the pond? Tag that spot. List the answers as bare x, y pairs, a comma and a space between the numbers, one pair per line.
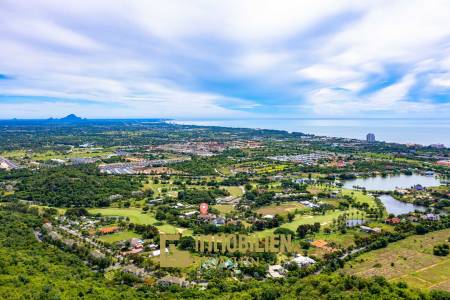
390, 183
396, 207
355, 222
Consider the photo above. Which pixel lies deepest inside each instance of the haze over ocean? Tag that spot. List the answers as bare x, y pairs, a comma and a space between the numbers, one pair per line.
401, 130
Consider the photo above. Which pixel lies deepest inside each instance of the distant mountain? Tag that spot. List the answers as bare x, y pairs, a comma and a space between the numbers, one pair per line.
71, 118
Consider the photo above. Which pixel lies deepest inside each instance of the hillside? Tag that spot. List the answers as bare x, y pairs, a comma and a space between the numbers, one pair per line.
410, 260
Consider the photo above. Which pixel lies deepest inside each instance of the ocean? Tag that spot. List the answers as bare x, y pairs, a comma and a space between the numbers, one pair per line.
417, 131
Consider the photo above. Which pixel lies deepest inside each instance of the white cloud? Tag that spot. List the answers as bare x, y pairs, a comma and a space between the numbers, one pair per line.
179, 58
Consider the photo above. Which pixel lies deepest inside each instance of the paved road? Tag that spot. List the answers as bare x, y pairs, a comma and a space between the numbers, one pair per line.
87, 240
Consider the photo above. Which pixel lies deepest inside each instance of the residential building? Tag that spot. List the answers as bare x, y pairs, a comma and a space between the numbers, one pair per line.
303, 261
276, 271
370, 138
172, 280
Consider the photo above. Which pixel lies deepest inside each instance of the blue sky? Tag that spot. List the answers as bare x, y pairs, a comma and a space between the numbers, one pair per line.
224, 59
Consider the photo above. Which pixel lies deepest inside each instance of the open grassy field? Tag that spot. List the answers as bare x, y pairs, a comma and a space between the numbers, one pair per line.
410, 260
170, 229
324, 220
119, 236
343, 240
224, 208
158, 188
47, 155
271, 169
319, 188
61, 211
224, 170
360, 197
235, 191
13, 154
282, 209
136, 215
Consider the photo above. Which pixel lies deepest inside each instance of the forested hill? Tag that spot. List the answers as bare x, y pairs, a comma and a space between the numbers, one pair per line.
33, 270
80, 186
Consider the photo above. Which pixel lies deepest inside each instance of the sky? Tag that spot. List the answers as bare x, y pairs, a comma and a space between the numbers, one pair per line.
224, 59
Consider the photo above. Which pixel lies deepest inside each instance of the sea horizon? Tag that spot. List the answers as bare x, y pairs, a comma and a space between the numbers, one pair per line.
422, 131
402, 130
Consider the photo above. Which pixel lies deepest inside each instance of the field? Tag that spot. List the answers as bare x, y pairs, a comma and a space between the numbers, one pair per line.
271, 169
360, 197
343, 240
119, 236
410, 260
61, 211
135, 215
235, 191
309, 219
224, 208
157, 188
47, 155
282, 209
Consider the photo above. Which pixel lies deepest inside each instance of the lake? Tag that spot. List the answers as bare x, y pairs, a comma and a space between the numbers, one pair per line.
393, 206
390, 183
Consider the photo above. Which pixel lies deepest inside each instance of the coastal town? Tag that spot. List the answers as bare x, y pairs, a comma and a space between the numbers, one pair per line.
333, 199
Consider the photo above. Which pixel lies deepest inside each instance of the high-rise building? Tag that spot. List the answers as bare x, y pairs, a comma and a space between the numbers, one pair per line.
370, 138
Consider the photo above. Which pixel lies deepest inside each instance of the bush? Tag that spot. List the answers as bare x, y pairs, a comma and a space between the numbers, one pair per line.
441, 250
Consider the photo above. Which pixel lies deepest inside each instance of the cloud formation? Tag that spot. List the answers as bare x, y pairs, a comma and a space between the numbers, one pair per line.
224, 59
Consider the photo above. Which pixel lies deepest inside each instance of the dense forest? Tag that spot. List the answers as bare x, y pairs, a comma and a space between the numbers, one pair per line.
30, 269
80, 186
33, 270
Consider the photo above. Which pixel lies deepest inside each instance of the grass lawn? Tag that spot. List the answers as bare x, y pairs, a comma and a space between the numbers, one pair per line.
319, 188
61, 211
410, 260
13, 154
282, 209
223, 208
47, 155
119, 236
171, 229
360, 197
235, 191
309, 219
343, 240
271, 169
224, 170
135, 214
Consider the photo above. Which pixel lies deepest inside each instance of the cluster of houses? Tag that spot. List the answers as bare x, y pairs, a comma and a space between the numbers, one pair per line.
56, 236
309, 159
206, 148
196, 148
278, 271
211, 219
138, 166
413, 217
136, 246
